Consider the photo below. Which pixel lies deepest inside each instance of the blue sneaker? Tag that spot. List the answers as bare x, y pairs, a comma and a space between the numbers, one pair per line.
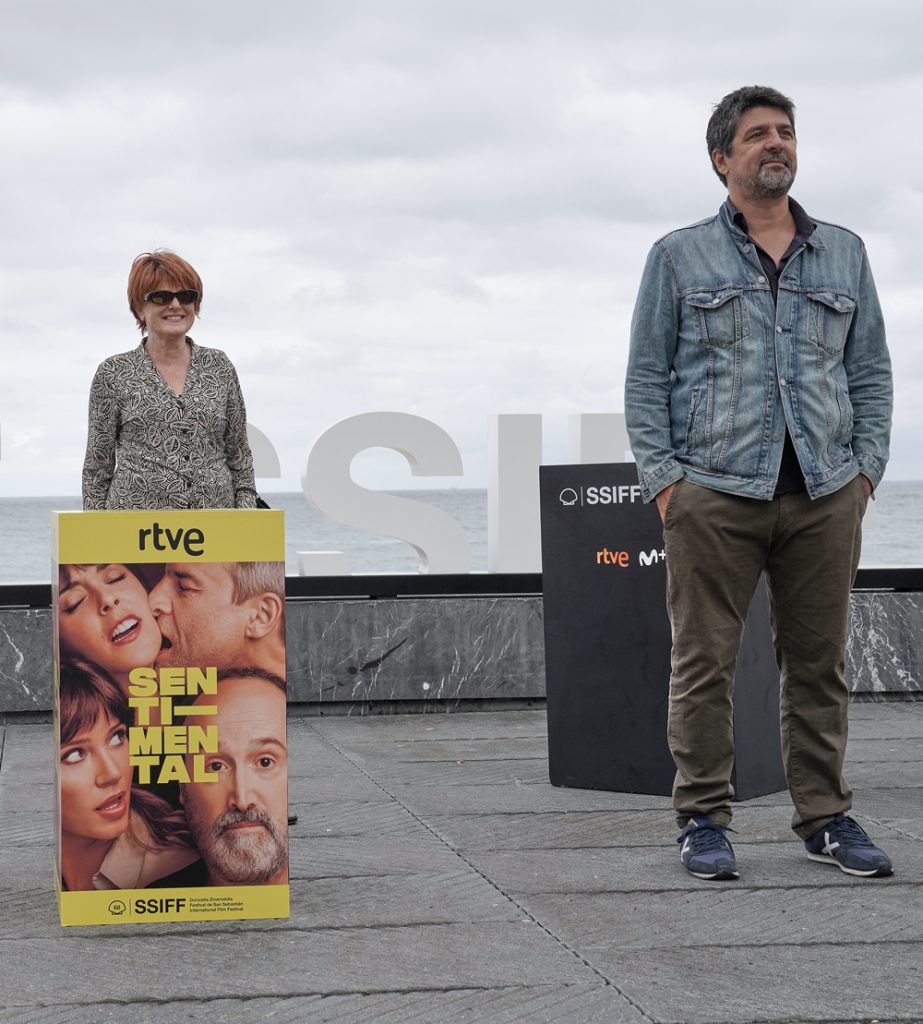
844, 843
705, 850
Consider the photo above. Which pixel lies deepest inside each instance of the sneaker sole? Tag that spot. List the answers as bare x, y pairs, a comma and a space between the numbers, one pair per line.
720, 876
876, 873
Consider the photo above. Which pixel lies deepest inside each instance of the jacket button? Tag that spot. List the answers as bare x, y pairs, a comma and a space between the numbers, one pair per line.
778, 328
761, 279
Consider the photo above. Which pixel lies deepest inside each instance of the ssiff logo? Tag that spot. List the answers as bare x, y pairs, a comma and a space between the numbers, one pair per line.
605, 494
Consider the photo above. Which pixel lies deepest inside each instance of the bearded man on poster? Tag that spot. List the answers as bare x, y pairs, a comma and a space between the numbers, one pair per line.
758, 403
238, 817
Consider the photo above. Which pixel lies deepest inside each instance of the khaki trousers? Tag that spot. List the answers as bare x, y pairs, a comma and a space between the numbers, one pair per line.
717, 545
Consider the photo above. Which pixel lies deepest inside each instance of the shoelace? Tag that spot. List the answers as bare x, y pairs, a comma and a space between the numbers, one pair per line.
705, 838
849, 832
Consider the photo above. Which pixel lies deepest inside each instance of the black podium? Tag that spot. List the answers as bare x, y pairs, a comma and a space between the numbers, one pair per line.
607, 644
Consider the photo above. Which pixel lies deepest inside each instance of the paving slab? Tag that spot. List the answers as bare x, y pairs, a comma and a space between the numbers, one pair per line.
877, 749
435, 725
320, 788
595, 923
469, 772
519, 797
353, 856
403, 750
350, 818
763, 984
23, 793
880, 803
894, 775
911, 828
170, 967
26, 828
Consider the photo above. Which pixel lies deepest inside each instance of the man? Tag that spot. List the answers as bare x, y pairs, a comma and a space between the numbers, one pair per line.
222, 613
238, 821
758, 402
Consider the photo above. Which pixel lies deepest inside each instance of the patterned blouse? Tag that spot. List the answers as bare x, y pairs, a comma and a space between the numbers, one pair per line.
148, 448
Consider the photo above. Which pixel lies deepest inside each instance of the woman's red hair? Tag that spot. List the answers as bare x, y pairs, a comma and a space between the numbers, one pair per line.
154, 270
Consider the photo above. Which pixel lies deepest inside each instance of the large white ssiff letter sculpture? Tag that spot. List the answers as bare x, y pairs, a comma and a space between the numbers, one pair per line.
514, 542
515, 453
438, 539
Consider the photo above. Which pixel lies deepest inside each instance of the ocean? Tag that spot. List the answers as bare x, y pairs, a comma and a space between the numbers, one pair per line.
893, 538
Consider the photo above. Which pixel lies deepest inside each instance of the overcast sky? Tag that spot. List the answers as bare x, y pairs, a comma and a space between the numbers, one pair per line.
432, 207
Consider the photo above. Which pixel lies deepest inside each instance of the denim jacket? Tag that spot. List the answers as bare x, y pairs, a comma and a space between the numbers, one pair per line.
716, 369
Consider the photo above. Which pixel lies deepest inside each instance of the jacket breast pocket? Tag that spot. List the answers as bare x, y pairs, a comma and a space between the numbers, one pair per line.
721, 316
829, 317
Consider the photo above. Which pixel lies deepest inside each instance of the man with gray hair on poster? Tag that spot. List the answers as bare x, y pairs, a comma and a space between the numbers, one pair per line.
758, 402
221, 614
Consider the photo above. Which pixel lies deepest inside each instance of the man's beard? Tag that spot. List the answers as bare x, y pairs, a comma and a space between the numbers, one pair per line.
251, 857
770, 184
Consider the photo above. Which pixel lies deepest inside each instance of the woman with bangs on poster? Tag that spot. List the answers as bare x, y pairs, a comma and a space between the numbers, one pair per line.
113, 834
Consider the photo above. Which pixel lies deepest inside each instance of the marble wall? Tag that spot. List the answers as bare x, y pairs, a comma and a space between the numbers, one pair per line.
452, 648
885, 649
434, 648
25, 659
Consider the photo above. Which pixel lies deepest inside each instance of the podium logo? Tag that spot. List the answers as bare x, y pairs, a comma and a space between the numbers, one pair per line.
604, 494
622, 560
616, 494
619, 559
162, 538
171, 904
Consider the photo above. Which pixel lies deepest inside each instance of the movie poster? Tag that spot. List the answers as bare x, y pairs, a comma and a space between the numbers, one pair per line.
170, 709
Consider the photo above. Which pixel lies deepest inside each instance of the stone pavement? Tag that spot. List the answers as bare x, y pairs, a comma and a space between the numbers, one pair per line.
438, 877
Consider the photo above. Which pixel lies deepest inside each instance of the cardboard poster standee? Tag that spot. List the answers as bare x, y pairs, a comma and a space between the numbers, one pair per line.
171, 796
607, 644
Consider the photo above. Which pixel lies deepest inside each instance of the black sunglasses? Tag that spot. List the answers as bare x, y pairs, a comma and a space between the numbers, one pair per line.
186, 297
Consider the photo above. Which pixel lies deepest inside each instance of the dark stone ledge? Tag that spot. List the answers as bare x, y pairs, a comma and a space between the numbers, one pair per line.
439, 650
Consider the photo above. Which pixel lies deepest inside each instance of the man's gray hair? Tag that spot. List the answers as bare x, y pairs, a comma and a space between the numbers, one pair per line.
251, 579
722, 125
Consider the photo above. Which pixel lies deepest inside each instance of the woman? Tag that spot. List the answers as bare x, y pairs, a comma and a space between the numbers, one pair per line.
167, 425
113, 836
105, 618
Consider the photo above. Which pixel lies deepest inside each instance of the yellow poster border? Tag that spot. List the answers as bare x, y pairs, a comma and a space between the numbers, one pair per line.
159, 906
216, 535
